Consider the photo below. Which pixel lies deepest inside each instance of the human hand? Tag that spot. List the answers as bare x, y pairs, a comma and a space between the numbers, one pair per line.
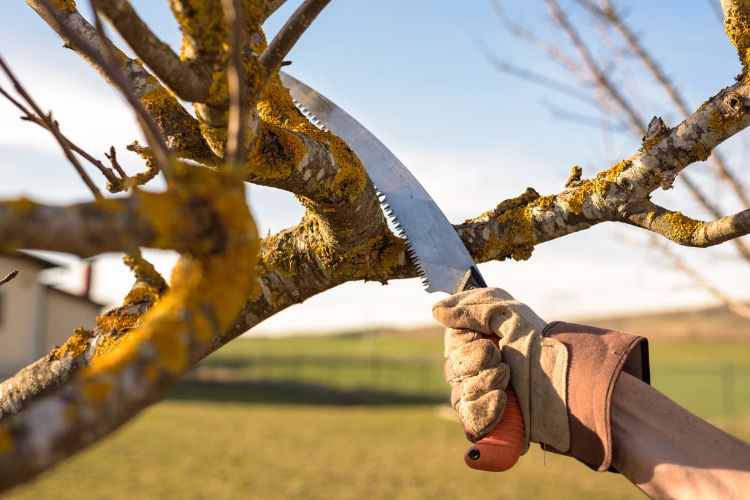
563, 374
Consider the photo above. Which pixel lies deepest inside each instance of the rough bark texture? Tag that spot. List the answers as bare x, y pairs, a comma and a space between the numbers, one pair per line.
223, 285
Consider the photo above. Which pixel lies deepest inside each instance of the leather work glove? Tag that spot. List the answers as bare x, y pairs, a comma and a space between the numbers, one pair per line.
563, 374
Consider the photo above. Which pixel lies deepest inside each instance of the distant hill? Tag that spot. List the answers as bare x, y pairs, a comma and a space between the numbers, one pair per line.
686, 324
705, 323
709, 322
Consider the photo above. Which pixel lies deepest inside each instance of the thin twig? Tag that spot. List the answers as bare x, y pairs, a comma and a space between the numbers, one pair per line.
8, 277
271, 7
283, 42
584, 119
50, 125
636, 122
153, 135
236, 150
716, 8
733, 305
112, 157
29, 116
612, 17
537, 78
597, 72
552, 52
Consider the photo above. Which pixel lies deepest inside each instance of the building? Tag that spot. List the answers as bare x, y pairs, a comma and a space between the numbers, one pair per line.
34, 316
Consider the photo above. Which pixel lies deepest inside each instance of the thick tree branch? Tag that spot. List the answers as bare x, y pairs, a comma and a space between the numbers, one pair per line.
609, 15
88, 229
208, 289
633, 118
737, 28
84, 230
514, 227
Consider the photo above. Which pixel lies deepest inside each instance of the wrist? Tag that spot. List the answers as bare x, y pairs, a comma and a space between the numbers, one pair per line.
596, 359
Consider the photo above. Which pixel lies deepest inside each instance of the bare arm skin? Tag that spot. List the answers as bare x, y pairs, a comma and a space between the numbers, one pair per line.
670, 453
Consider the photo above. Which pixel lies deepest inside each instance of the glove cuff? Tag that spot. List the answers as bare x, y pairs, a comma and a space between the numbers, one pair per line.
596, 357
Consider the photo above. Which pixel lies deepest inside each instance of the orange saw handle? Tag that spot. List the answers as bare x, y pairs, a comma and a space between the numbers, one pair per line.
499, 450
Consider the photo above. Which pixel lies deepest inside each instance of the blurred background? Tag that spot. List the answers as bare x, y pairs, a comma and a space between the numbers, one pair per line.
342, 396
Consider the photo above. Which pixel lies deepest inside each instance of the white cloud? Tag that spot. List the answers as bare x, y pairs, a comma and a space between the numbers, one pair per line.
90, 114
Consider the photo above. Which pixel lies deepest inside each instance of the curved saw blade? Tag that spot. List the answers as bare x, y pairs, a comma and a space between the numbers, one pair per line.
432, 242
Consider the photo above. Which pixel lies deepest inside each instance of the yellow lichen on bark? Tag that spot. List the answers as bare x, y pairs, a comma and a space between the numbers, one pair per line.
276, 153
514, 217
277, 108
737, 28
202, 25
6, 440
701, 151
96, 390
64, 5
719, 123
681, 227
208, 287
74, 346
599, 185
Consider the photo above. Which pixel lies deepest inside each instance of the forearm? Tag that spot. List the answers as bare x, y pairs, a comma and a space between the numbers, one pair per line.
669, 452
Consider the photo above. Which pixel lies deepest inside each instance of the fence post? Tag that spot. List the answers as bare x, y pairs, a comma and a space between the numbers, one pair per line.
727, 389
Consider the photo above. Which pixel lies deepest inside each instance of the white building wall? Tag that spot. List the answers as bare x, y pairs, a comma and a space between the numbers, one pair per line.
65, 313
18, 314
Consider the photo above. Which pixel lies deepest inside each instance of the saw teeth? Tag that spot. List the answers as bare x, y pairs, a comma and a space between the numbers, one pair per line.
383, 199
310, 116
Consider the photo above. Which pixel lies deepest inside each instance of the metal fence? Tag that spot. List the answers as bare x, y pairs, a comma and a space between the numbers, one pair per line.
720, 390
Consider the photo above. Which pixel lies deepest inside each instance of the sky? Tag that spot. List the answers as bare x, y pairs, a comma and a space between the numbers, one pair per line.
417, 75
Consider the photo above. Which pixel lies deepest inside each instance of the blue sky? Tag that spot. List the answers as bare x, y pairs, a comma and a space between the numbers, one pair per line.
413, 72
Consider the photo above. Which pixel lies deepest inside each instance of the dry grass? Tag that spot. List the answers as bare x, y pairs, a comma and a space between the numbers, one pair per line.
201, 450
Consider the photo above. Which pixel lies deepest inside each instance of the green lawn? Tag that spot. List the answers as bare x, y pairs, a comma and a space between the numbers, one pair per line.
199, 450
263, 429
709, 378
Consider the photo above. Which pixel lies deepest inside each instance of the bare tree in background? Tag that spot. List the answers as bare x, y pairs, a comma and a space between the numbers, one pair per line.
247, 129
613, 68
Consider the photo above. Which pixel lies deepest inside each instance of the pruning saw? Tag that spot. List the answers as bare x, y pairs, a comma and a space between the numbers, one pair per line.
441, 259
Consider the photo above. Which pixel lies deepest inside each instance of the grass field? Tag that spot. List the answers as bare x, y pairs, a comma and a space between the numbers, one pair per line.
246, 433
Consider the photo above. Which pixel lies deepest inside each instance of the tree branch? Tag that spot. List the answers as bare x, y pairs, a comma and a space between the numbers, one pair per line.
598, 73
634, 119
208, 289
735, 306
552, 51
609, 15
271, 7
237, 139
189, 81
289, 34
684, 230
8, 277
180, 129
45, 120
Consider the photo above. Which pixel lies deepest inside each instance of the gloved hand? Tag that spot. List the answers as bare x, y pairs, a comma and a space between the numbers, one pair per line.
563, 374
